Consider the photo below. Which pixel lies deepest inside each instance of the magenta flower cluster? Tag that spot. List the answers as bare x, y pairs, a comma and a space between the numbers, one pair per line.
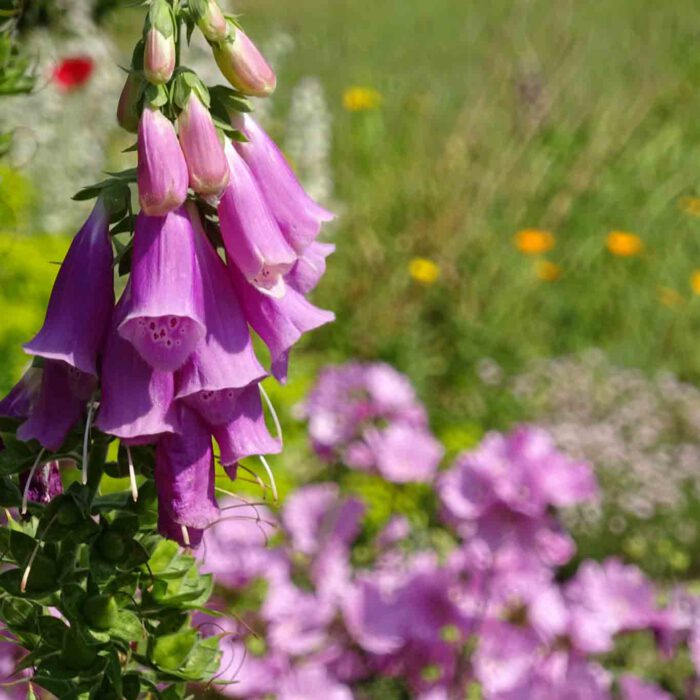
367, 416
492, 610
172, 362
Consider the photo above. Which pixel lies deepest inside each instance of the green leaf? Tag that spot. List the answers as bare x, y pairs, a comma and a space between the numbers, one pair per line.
156, 95
127, 627
162, 556
203, 661
171, 651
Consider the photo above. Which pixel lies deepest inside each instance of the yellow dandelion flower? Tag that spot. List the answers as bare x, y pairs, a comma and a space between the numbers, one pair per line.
532, 241
624, 244
361, 99
547, 271
423, 270
695, 281
690, 205
669, 297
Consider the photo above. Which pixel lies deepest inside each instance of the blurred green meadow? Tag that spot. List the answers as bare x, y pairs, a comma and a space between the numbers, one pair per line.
456, 125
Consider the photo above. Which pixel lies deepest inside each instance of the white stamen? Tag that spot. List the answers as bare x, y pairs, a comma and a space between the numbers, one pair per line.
132, 475
32, 471
275, 419
27, 571
86, 442
272, 478
185, 536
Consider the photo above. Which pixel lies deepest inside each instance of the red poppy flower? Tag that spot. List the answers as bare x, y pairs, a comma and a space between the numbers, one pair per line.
73, 72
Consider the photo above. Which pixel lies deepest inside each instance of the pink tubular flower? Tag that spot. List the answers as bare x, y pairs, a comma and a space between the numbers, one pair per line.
164, 317
242, 64
204, 154
252, 238
81, 300
212, 23
159, 56
297, 215
162, 170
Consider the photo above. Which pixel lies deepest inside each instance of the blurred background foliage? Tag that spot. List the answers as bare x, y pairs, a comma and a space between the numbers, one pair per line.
453, 126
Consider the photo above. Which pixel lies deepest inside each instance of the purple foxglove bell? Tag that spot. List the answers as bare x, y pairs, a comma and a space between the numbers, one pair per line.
225, 359
252, 238
137, 400
164, 317
246, 434
212, 23
162, 170
45, 485
184, 473
127, 107
59, 405
184, 536
242, 64
204, 153
82, 299
279, 322
23, 395
297, 215
310, 267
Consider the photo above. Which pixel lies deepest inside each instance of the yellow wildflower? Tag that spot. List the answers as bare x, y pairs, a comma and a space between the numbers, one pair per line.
624, 244
695, 281
690, 205
547, 271
532, 241
669, 297
361, 99
423, 270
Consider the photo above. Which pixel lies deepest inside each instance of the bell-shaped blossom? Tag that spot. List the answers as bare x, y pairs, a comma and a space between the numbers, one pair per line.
81, 300
242, 64
310, 267
297, 215
279, 322
59, 406
183, 535
162, 170
164, 318
128, 105
212, 22
20, 401
251, 235
137, 400
204, 153
159, 56
45, 485
244, 433
224, 361
184, 473
14, 684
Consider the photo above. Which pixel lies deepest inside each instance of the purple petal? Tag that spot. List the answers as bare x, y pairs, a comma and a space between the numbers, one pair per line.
82, 299
162, 171
23, 395
173, 531
57, 409
164, 318
297, 215
46, 483
253, 240
279, 322
310, 267
225, 360
246, 434
136, 402
184, 473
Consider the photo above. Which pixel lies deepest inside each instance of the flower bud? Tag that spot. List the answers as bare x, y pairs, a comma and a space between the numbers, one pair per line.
162, 171
204, 153
159, 57
244, 66
128, 107
101, 611
212, 23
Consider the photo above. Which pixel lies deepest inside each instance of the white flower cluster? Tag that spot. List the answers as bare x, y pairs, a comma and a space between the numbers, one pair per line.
641, 433
61, 136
